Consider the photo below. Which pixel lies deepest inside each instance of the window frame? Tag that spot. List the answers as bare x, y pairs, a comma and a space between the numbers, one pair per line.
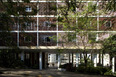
45, 41
28, 25
28, 10
30, 39
49, 22
108, 22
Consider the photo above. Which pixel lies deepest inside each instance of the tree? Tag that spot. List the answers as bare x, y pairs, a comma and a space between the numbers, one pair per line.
10, 19
74, 17
109, 46
108, 8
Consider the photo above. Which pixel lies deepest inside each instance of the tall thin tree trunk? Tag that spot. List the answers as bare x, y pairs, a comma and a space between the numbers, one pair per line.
102, 59
69, 57
72, 59
99, 58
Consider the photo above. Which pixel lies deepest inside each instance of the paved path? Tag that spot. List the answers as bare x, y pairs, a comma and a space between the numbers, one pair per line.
43, 73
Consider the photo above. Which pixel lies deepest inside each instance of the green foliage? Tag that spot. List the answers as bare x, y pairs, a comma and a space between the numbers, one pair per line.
91, 7
88, 64
87, 23
114, 74
35, 66
71, 5
5, 21
9, 60
53, 25
7, 39
109, 45
53, 7
92, 37
63, 66
60, 19
108, 73
68, 67
92, 70
71, 36
18, 64
111, 5
53, 38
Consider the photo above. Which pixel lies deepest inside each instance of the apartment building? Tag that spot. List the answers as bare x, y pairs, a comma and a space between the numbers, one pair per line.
35, 38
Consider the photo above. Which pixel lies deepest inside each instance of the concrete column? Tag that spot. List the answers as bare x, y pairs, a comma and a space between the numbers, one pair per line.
95, 60
22, 56
58, 60
113, 64
46, 60
40, 60
77, 59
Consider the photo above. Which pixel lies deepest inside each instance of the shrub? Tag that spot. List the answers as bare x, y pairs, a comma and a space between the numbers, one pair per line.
80, 69
18, 64
68, 67
63, 66
91, 69
108, 73
35, 66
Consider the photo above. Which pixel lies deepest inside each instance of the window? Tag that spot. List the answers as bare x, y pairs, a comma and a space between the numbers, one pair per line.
27, 55
47, 23
47, 39
28, 25
108, 23
15, 26
27, 38
28, 9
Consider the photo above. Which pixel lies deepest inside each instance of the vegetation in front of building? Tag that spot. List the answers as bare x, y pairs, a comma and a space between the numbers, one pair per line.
83, 29
109, 45
90, 69
8, 59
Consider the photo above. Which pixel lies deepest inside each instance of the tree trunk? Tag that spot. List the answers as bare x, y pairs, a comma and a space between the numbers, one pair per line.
102, 59
99, 58
72, 59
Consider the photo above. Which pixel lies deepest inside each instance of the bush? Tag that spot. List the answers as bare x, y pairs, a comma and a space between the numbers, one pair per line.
102, 70
35, 66
92, 69
63, 66
80, 69
18, 64
68, 67
108, 73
